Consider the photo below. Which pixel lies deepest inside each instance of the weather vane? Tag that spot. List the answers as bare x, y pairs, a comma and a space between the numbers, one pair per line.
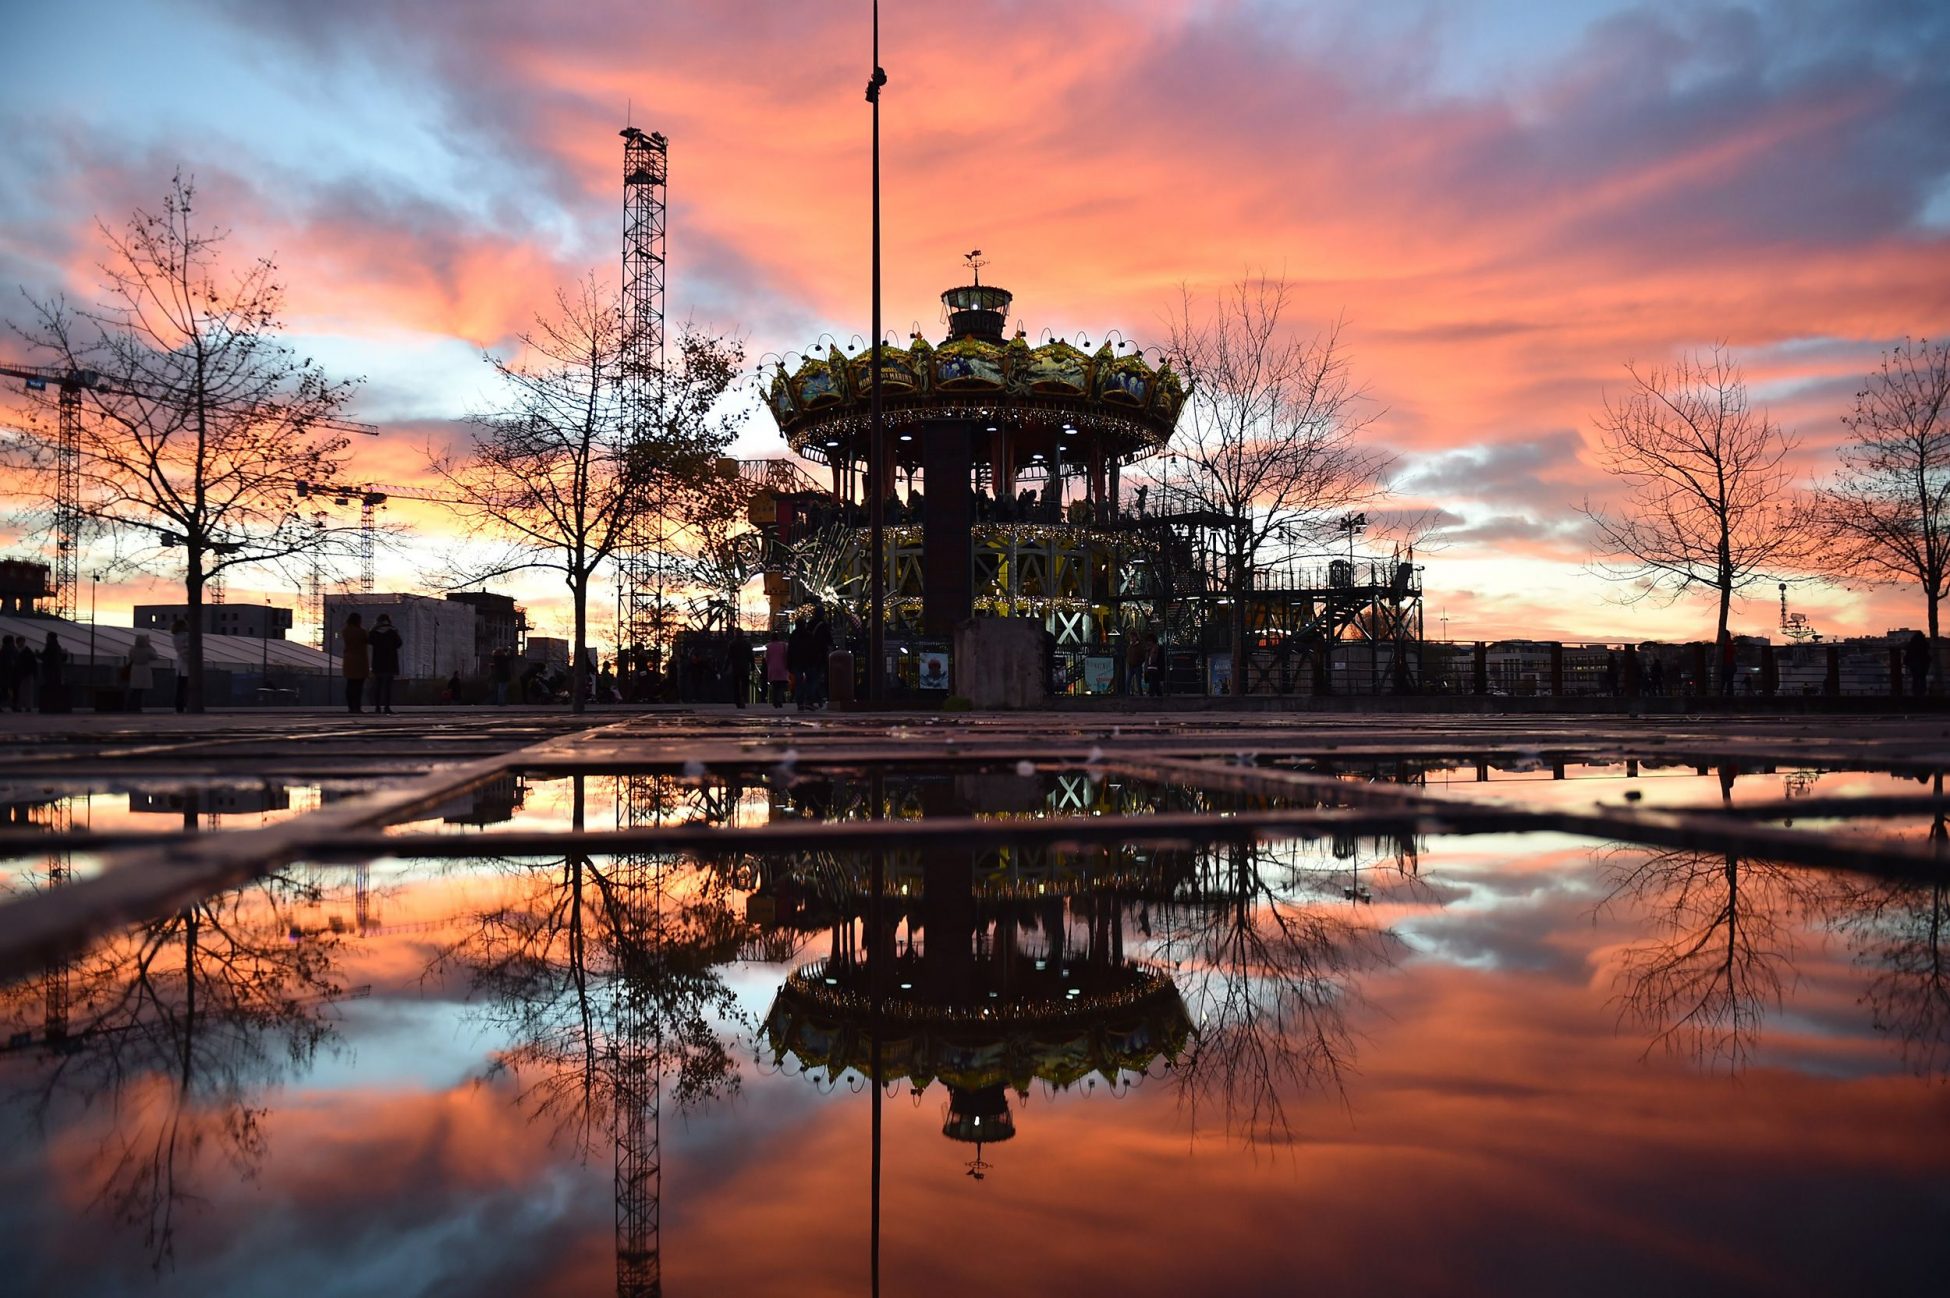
975, 262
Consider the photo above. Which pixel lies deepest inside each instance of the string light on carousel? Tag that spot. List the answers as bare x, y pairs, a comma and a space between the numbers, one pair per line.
1018, 450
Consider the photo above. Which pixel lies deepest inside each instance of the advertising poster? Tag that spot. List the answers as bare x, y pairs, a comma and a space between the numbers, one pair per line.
934, 670
1099, 674
1218, 674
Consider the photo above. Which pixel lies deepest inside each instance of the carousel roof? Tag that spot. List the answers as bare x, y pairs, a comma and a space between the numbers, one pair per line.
1061, 1042
1114, 396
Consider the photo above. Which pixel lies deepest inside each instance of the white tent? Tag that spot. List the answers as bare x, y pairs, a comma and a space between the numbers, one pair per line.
220, 652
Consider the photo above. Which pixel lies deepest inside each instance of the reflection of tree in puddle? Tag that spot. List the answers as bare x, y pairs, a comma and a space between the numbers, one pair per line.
1269, 972
583, 941
1899, 929
178, 1027
1724, 944
999, 965
604, 977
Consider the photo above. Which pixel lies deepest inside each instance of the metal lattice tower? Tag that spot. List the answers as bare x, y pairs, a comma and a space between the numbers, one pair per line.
645, 173
67, 502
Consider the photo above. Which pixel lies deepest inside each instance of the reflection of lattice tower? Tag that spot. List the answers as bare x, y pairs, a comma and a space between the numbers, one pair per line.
645, 172
638, 1064
59, 971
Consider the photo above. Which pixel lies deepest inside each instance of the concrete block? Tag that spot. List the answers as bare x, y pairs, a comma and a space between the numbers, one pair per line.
998, 663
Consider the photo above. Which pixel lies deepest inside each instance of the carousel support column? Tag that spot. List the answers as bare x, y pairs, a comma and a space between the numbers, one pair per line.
947, 523
1002, 468
1097, 481
1116, 494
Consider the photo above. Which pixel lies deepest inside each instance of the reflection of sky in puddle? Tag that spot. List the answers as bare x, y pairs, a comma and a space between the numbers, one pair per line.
1500, 1078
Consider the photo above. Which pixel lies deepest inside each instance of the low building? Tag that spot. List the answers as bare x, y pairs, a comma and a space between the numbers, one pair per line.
549, 649
23, 585
437, 637
259, 621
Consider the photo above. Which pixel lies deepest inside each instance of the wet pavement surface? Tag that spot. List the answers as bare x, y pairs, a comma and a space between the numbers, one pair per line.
1227, 1007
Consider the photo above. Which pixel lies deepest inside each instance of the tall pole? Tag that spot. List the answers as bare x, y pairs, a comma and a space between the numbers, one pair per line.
877, 431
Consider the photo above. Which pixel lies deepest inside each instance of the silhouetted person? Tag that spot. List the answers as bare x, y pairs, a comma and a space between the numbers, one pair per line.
355, 662
53, 665
1657, 675
796, 660
1916, 657
9, 673
778, 671
501, 669
383, 644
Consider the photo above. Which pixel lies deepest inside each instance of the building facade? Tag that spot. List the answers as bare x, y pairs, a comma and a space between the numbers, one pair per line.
437, 636
259, 621
499, 624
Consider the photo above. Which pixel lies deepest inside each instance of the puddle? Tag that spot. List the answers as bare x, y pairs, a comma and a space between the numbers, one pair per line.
1149, 1070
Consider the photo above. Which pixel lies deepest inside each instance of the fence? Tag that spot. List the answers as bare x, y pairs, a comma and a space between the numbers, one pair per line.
1513, 668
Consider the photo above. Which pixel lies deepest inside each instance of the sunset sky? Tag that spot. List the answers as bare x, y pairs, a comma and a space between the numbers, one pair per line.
1506, 201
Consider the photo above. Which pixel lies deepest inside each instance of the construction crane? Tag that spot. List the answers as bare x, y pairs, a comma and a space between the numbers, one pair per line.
370, 502
69, 384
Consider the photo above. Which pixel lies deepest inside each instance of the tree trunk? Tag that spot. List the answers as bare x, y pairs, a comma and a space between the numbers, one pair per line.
193, 588
1242, 580
1935, 685
578, 662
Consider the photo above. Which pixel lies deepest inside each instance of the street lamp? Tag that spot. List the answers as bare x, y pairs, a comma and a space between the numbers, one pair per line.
876, 461
94, 578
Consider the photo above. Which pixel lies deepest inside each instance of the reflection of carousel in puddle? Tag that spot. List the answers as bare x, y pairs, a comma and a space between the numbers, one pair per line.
988, 978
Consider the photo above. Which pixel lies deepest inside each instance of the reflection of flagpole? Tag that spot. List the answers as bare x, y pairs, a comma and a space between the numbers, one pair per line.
875, 972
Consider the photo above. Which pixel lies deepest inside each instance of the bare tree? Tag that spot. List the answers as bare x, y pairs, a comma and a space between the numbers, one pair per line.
1270, 433
198, 421
1710, 497
1890, 504
563, 469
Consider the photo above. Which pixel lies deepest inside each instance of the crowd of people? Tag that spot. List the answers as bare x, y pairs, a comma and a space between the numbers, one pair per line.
29, 677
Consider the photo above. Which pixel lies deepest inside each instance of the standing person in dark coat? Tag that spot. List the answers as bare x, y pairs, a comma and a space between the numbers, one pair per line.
797, 655
354, 661
739, 650
501, 667
9, 673
1916, 657
778, 670
819, 650
54, 660
384, 645
24, 670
